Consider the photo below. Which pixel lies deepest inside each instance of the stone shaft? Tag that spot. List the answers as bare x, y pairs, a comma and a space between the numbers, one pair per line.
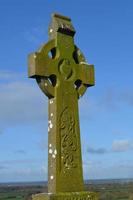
65, 163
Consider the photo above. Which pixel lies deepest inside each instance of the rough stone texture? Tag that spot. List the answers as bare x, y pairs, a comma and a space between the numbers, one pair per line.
66, 196
63, 77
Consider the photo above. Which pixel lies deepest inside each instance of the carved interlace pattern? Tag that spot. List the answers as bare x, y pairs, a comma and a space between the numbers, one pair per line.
68, 139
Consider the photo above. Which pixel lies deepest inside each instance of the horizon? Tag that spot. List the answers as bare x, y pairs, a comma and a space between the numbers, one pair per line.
85, 181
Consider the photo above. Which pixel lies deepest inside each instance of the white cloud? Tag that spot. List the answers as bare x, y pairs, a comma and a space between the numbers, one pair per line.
100, 150
98, 170
122, 145
21, 102
23, 170
23, 174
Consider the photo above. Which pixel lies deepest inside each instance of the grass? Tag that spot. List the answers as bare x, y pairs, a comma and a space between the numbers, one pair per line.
108, 191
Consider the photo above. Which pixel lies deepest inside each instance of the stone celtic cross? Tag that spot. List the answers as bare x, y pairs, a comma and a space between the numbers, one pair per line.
63, 75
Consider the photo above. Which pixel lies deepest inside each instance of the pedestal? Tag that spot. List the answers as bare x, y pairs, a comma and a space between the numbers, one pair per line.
66, 196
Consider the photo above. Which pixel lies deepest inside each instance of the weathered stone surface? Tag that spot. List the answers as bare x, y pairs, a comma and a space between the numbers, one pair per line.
66, 196
63, 77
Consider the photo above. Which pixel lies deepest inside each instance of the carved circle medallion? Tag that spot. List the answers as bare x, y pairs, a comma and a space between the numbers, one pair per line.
65, 68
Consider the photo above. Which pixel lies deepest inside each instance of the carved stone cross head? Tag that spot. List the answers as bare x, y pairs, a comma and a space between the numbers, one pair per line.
60, 60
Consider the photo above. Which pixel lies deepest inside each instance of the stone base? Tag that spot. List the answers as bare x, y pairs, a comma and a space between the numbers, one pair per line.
66, 196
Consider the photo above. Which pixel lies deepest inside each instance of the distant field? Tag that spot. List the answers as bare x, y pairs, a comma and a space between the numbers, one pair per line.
107, 191
113, 191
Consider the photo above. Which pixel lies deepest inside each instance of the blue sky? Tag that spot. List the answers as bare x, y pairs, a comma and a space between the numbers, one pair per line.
104, 33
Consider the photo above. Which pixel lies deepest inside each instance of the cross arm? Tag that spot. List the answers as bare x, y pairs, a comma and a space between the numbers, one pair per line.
85, 73
41, 65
